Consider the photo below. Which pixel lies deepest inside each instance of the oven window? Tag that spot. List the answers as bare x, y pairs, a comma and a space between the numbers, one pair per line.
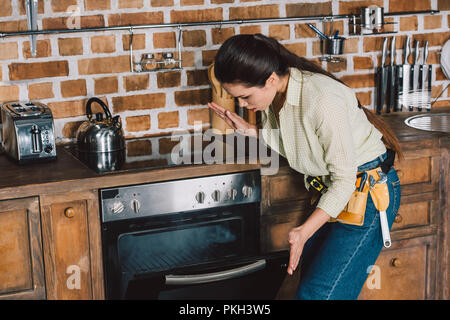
168, 248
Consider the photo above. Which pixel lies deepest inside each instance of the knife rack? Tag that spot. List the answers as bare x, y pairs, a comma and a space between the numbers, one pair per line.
411, 90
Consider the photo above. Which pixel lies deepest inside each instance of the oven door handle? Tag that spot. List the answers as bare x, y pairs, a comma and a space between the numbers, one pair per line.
215, 276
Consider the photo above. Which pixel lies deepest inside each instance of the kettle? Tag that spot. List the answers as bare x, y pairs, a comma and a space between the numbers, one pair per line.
99, 134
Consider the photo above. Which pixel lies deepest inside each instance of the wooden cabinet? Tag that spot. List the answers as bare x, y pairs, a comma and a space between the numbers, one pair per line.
72, 252
21, 259
404, 272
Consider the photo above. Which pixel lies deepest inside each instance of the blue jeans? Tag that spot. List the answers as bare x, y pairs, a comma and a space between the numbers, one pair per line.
337, 259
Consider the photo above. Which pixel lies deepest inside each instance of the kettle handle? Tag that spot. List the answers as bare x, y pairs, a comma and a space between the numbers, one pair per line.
100, 102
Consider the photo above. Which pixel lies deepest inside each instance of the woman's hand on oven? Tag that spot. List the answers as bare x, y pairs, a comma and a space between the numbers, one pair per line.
234, 121
297, 240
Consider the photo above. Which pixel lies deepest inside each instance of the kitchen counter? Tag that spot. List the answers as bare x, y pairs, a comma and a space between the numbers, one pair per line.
67, 173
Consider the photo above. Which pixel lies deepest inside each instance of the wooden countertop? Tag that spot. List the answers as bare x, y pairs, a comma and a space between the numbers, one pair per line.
68, 174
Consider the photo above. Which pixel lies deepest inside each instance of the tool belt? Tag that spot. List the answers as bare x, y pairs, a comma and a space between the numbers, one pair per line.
355, 209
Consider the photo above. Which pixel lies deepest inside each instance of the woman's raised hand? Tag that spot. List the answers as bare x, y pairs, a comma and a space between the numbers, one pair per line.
234, 121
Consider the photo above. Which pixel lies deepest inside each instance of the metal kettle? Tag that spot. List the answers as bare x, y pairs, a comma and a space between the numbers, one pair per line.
100, 134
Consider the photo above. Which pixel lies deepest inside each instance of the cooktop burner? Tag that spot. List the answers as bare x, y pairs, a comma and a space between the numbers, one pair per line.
175, 150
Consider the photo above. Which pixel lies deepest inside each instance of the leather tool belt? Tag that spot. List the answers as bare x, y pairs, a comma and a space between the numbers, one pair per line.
355, 209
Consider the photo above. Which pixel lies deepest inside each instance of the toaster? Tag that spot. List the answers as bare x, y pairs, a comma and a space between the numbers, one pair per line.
28, 132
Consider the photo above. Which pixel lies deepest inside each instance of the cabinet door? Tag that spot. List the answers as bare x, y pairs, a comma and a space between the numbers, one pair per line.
70, 223
406, 271
21, 267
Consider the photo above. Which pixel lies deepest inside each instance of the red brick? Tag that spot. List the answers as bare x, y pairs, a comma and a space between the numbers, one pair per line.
408, 5
130, 4
73, 88
168, 120
408, 23
365, 98
8, 50
219, 35
280, 31
136, 82
308, 9
161, 3
70, 46
22, 71
103, 44
164, 40
138, 123
359, 80
362, 63
9, 93
125, 19
67, 109
43, 49
196, 15
349, 7
97, 4
194, 38
62, 5
139, 102
106, 85
192, 97
432, 22
66, 22
198, 115
168, 79
6, 9
104, 65
254, 12
138, 42
197, 77
139, 148
40, 91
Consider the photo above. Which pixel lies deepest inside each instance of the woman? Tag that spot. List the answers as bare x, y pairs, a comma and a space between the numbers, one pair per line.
325, 132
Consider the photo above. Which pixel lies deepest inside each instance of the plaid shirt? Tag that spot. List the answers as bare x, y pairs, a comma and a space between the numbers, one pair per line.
322, 132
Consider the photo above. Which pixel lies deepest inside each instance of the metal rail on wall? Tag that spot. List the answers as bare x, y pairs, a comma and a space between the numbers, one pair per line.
179, 26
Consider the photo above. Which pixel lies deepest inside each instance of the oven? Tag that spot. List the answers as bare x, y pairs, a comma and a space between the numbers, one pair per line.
188, 239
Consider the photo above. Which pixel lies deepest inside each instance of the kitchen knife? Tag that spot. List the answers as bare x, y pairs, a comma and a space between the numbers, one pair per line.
406, 68
428, 68
381, 79
413, 76
391, 77
421, 84
398, 86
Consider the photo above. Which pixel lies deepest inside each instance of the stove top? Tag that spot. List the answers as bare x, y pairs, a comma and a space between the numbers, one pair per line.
174, 150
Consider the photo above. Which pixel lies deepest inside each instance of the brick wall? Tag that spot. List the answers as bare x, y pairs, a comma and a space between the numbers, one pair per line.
70, 68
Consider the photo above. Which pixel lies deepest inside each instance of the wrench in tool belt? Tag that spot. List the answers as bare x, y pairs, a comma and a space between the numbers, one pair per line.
383, 217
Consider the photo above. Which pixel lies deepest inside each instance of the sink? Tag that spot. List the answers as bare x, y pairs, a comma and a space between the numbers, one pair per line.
439, 122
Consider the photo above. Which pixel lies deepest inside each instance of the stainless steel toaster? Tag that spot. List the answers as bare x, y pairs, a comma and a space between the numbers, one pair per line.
28, 132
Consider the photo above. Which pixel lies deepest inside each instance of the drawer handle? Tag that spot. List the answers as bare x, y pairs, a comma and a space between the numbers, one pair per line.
396, 262
399, 173
398, 218
69, 212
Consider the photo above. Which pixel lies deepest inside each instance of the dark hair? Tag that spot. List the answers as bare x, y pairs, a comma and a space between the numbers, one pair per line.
250, 59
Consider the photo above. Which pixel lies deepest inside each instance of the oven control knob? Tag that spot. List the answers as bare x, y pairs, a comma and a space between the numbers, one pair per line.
247, 191
200, 197
135, 205
232, 193
216, 195
117, 207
